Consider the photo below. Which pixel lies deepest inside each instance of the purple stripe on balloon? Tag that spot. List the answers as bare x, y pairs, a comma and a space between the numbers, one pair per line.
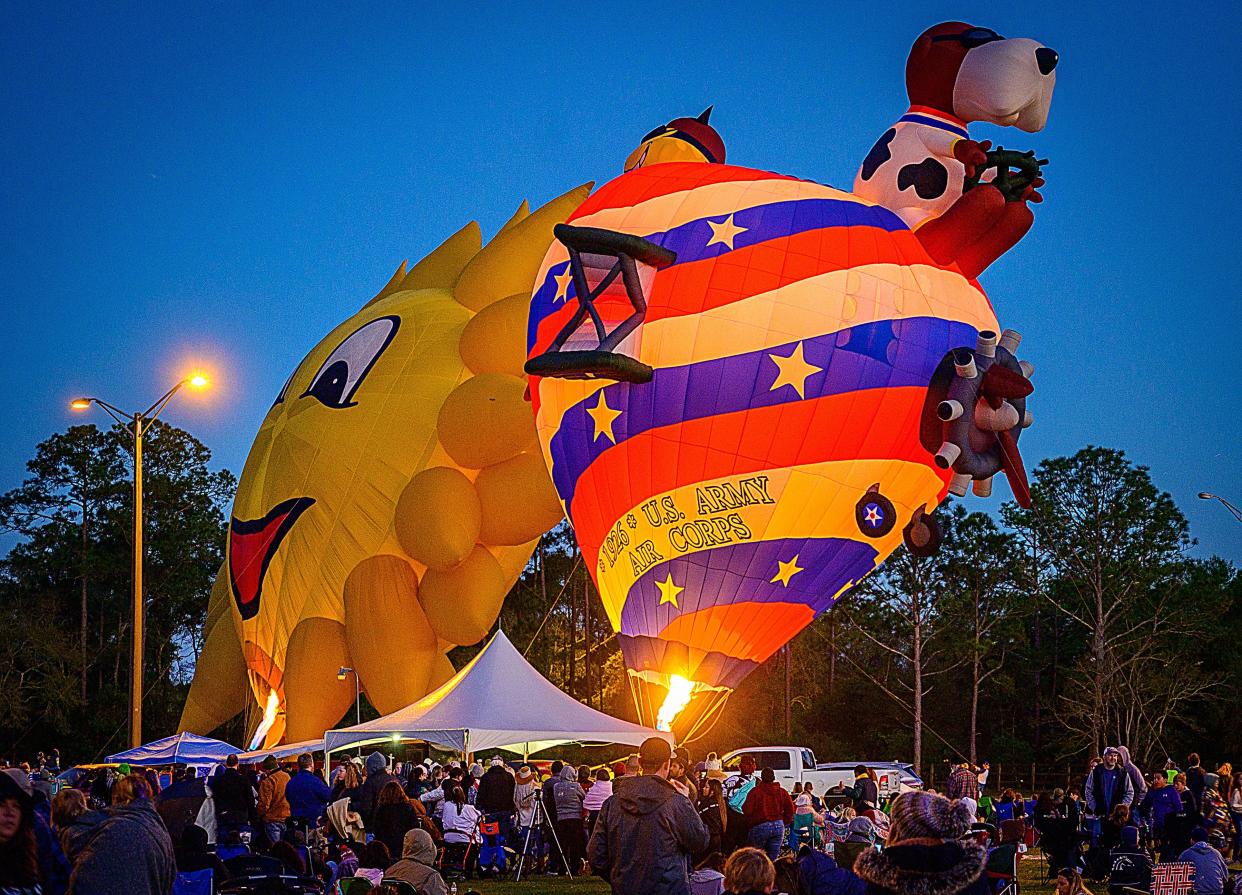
761, 223
882, 354
743, 573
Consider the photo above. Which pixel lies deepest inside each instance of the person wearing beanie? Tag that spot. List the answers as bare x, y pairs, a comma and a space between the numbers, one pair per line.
1108, 785
272, 806
925, 853
1211, 872
1130, 865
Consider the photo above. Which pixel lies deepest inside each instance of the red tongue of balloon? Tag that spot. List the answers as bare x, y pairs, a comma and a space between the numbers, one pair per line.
1014, 470
1000, 383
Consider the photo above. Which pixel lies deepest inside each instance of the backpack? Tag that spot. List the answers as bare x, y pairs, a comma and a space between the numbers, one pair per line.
736, 795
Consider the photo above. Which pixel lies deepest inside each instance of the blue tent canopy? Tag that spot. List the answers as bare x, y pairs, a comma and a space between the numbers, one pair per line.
184, 748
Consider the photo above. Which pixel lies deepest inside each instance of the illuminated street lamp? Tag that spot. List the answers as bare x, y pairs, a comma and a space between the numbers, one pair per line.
138, 424
1206, 495
340, 676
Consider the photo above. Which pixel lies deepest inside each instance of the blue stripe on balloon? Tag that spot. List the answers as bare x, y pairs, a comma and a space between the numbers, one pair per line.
742, 573
882, 354
761, 223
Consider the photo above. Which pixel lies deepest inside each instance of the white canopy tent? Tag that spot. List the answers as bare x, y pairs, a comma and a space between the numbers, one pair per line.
498, 701
285, 751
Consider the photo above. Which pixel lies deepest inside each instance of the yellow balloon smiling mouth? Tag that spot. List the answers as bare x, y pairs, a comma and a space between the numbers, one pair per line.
252, 544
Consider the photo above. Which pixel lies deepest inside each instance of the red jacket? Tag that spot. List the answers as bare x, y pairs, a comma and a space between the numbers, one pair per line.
768, 802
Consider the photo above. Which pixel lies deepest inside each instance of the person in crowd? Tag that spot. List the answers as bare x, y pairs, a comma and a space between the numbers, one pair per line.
769, 810
713, 812
820, 874
548, 800
1129, 864
680, 770
290, 859
495, 796
962, 783
1137, 781
306, 792
393, 817
19, 848
1178, 826
1058, 834
416, 780
1194, 775
348, 783
129, 850
805, 818
461, 819
1070, 882
524, 788
1235, 812
418, 864
865, 789
53, 866
376, 779
1108, 785
1213, 810
232, 798
633, 766
599, 792
736, 788
749, 871
982, 775
179, 804
473, 776
272, 807
73, 821
1159, 804
1117, 820
808, 789
707, 877
373, 859
925, 851
648, 830
569, 798
193, 853
1211, 872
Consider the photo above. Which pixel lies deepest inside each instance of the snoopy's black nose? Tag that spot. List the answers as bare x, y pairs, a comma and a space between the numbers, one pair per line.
1047, 60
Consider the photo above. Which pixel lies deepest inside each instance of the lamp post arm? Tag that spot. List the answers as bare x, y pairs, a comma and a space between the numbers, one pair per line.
152, 413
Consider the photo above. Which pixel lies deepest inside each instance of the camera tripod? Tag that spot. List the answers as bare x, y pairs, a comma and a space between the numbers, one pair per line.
538, 815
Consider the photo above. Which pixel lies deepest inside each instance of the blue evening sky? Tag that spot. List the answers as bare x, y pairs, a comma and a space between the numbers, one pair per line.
225, 182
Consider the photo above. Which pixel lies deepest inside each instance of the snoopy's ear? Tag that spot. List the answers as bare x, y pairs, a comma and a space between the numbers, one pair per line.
705, 114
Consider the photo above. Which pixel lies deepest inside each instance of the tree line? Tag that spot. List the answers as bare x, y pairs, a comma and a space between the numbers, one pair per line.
1033, 637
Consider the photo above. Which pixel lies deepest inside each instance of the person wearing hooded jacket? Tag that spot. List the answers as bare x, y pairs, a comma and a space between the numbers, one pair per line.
647, 831
769, 810
129, 851
418, 864
1137, 781
925, 853
368, 794
569, 796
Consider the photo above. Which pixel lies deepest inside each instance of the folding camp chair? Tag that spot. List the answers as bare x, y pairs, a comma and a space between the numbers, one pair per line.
1001, 869
1174, 878
197, 882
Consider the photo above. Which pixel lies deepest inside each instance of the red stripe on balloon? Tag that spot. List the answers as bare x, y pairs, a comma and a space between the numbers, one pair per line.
875, 424
642, 184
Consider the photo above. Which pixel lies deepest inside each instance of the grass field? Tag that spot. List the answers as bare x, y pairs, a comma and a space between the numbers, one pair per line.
1031, 876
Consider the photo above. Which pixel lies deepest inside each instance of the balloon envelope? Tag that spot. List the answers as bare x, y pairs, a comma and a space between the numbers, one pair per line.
773, 458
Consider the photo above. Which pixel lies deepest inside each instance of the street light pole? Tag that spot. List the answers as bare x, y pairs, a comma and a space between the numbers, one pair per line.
1206, 495
340, 676
138, 424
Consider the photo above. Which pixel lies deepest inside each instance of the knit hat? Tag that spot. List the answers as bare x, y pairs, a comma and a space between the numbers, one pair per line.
476, 770
860, 829
921, 815
270, 763
123, 768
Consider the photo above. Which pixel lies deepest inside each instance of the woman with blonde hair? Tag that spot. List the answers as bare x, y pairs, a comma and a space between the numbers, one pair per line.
749, 871
1069, 882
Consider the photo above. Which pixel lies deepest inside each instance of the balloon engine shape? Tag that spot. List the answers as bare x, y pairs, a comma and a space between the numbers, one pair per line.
393, 495
750, 389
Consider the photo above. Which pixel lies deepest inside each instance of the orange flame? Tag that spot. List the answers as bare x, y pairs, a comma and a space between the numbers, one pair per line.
679, 692
269, 718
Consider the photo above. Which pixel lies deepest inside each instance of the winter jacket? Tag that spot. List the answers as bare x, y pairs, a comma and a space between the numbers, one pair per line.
307, 795
74, 835
233, 797
864, 790
53, 865
1129, 867
549, 799
644, 837
417, 864
368, 794
1195, 781
524, 800
129, 852
495, 791
598, 794
569, 795
818, 874
272, 806
1159, 805
962, 784
1137, 782
924, 867
1100, 802
768, 802
390, 823
460, 824
178, 805
1211, 873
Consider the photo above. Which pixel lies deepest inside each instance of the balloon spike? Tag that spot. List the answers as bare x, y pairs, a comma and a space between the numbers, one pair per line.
949, 410
947, 455
986, 345
1010, 340
964, 362
959, 483
983, 487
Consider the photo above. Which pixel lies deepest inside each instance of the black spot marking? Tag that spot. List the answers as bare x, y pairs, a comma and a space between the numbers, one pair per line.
929, 178
879, 154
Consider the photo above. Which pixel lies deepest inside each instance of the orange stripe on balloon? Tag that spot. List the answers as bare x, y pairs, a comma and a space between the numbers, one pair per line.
735, 623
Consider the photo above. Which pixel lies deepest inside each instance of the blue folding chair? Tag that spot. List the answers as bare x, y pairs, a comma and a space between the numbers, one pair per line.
196, 882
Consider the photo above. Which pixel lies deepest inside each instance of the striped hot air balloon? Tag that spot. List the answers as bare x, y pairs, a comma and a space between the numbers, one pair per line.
748, 446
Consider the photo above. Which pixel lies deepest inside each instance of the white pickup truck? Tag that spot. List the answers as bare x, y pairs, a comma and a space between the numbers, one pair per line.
796, 764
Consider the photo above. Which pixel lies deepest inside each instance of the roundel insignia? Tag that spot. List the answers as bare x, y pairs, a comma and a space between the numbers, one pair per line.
875, 514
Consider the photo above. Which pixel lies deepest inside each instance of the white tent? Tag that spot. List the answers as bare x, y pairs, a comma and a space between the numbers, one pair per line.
284, 751
498, 701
